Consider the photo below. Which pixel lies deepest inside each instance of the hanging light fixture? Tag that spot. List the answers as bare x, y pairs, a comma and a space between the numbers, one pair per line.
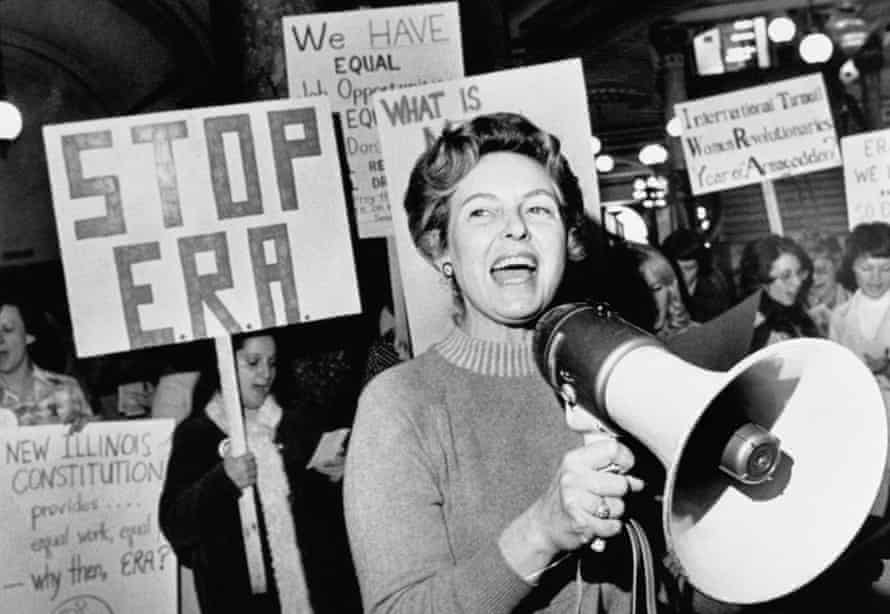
10, 116
848, 30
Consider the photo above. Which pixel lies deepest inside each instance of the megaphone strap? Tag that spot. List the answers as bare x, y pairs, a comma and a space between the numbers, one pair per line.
643, 584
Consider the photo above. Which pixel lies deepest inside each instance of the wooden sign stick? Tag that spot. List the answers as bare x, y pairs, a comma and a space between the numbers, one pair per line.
400, 312
773, 214
228, 380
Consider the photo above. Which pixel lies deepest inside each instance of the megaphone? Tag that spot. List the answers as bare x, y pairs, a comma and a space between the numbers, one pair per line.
772, 467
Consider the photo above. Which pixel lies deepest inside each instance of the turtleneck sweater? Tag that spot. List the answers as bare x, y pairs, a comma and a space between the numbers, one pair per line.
447, 450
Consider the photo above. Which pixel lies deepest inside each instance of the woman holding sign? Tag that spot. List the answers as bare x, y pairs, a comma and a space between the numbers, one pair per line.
199, 504
465, 490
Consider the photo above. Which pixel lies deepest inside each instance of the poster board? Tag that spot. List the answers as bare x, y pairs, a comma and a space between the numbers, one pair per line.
408, 118
349, 55
80, 526
200, 223
758, 134
867, 177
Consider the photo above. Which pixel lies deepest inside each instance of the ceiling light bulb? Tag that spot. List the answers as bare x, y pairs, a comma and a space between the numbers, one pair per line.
674, 126
781, 30
605, 163
10, 121
816, 48
595, 144
653, 153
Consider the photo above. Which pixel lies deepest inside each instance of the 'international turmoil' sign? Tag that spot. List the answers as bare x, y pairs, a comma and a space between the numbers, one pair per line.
867, 176
756, 134
80, 526
350, 55
200, 223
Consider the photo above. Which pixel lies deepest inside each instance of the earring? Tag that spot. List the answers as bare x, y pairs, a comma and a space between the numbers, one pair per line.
447, 270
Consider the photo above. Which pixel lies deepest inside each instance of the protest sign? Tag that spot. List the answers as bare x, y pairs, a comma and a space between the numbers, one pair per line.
758, 134
349, 55
553, 96
200, 223
867, 176
80, 526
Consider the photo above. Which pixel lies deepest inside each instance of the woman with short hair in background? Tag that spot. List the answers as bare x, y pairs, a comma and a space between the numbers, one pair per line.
863, 323
779, 268
826, 291
29, 394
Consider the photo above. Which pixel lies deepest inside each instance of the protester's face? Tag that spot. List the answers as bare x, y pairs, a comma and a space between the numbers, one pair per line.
507, 241
689, 269
787, 279
661, 292
824, 275
872, 275
14, 340
256, 370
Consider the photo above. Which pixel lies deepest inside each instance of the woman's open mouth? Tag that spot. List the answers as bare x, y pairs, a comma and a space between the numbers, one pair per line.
517, 269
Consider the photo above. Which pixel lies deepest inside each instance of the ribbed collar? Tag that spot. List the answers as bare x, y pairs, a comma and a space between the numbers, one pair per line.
489, 357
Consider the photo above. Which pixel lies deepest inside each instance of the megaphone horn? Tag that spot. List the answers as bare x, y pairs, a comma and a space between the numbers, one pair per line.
772, 467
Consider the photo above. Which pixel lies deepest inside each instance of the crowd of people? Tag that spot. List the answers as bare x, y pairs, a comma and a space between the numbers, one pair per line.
464, 491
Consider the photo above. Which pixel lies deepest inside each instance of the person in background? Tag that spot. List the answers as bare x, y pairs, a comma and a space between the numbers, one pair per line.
465, 490
30, 395
672, 315
826, 292
863, 323
199, 512
781, 269
709, 291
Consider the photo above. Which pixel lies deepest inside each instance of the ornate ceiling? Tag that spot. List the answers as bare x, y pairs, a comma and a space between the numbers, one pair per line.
62, 60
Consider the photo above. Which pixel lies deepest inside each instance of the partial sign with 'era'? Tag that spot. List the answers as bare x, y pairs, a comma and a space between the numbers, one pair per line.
80, 528
349, 55
200, 223
867, 176
757, 134
553, 96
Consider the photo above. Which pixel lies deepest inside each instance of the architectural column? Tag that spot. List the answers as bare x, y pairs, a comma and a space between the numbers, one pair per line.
263, 74
870, 62
670, 41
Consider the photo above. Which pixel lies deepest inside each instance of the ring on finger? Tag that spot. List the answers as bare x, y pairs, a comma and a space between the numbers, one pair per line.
602, 511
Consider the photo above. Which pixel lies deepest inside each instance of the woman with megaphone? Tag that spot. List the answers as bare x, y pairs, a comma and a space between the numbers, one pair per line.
465, 491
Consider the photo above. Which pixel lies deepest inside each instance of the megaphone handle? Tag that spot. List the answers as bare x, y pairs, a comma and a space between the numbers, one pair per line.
598, 544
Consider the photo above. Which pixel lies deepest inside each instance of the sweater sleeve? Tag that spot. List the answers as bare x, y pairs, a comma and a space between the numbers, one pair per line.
396, 521
197, 492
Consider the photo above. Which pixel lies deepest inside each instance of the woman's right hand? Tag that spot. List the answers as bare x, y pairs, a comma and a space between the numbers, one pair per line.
241, 469
585, 499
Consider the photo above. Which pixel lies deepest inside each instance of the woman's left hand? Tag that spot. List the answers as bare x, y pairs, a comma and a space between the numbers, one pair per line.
333, 468
76, 422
